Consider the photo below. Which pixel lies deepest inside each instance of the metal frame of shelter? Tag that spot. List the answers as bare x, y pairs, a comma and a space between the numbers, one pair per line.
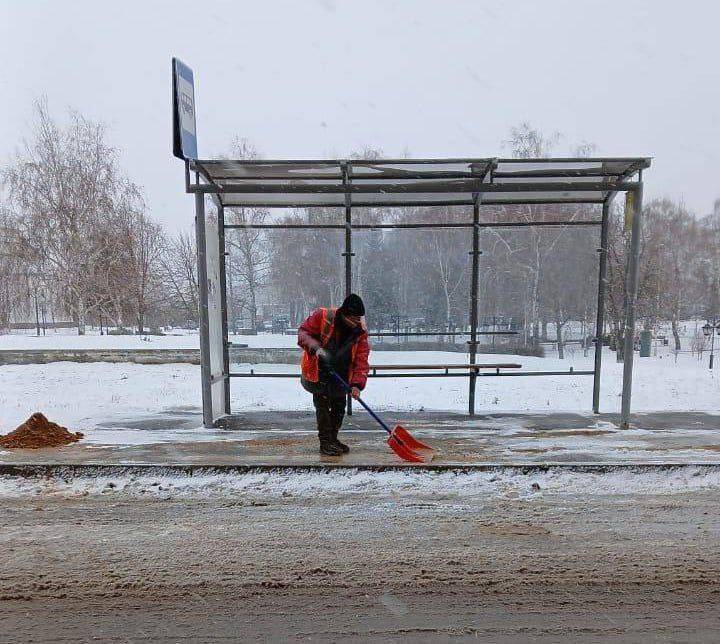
370, 183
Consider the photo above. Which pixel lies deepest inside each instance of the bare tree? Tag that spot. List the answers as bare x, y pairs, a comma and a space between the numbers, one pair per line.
178, 272
649, 294
446, 255
707, 289
145, 242
64, 187
13, 268
249, 261
248, 264
306, 264
671, 244
526, 142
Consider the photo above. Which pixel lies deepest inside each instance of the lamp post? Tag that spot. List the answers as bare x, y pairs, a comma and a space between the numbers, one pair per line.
709, 329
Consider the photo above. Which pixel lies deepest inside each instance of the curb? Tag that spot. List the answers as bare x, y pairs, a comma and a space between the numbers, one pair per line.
88, 470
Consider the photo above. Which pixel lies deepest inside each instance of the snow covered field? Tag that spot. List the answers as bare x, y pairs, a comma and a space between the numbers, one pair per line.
189, 339
82, 395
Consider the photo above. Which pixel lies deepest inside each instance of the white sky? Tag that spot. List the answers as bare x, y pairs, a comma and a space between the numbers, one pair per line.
316, 78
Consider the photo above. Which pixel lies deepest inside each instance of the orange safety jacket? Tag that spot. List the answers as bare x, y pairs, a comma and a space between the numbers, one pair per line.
315, 332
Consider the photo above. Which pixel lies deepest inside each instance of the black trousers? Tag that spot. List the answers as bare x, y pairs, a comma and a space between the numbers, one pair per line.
329, 412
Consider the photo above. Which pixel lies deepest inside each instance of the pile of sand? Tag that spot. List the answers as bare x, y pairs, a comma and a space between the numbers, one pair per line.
37, 431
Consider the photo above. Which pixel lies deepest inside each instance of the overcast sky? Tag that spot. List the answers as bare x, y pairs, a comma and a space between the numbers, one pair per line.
317, 78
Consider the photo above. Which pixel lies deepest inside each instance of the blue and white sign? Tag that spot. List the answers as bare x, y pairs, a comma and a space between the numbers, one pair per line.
184, 133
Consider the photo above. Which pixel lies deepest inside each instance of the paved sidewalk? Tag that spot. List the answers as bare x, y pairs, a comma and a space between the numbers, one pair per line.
287, 439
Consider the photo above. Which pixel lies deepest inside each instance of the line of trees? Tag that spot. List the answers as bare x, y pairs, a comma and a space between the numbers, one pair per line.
532, 277
78, 241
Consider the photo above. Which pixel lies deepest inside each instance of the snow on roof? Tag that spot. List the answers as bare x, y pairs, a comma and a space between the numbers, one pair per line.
414, 182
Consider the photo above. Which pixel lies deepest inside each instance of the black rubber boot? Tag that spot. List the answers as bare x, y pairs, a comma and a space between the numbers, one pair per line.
344, 448
330, 448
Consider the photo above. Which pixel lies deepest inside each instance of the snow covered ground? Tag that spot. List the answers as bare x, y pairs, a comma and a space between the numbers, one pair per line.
447, 486
188, 339
82, 395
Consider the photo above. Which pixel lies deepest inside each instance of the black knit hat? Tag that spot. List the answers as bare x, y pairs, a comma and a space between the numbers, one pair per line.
353, 305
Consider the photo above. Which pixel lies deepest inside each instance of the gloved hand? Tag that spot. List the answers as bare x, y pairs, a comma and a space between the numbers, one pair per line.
324, 355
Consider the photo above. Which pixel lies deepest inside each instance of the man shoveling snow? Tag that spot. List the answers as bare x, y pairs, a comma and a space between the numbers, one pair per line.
334, 339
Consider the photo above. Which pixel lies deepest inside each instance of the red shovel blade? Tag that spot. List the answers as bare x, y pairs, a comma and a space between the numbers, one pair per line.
403, 451
407, 439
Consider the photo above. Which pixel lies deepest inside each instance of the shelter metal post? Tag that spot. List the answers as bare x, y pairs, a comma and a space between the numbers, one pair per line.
223, 304
599, 322
474, 302
348, 247
203, 308
631, 287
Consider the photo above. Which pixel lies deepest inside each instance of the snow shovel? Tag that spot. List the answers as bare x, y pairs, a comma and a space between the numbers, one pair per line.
399, 439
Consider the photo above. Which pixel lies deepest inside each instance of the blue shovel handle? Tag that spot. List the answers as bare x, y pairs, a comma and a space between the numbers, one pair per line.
348, 388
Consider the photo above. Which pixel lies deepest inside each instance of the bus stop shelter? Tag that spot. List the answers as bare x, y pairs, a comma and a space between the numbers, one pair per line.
348, 184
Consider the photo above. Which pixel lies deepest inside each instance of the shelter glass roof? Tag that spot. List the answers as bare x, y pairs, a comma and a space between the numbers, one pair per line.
414, 182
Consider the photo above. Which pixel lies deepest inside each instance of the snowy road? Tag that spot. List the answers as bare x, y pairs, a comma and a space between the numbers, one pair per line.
272, 560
